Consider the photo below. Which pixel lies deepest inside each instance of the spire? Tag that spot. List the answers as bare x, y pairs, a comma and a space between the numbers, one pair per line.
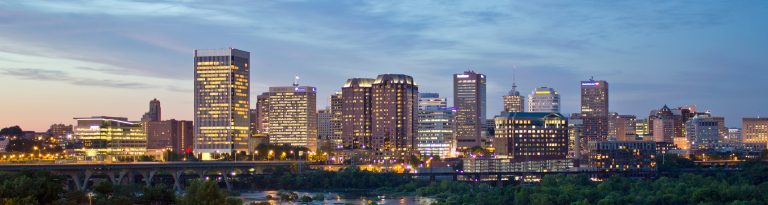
296, 80
514, 92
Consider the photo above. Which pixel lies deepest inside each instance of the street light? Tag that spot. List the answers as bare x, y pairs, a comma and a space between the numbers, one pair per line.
38, 151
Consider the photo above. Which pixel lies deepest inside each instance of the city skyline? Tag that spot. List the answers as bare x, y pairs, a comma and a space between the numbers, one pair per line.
127, 53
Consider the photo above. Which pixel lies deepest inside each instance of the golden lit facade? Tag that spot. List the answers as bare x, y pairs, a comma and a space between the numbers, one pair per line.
356, 115
622, 156
754, 130
222, 101
336, 120
110, 139
527, 136
293, 116
395, 102
514, 102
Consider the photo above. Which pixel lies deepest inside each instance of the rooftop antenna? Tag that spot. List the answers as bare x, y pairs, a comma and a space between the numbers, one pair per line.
296, 80
591, 78
514, 84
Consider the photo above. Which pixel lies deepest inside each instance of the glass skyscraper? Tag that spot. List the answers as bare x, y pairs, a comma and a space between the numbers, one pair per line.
222, 100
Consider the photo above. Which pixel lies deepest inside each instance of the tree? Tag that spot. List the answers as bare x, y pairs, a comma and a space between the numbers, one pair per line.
202, 192
12, 131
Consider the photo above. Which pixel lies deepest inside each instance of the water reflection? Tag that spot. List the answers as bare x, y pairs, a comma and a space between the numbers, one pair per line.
331, 198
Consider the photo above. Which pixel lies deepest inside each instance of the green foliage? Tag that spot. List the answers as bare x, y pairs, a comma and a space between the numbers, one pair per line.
202, 192
30, 188
11, 131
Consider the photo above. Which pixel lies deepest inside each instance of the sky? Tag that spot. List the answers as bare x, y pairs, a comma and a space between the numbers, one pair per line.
66, 59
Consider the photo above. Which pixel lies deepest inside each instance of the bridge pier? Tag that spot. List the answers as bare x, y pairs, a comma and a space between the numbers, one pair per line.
119, 178
148, 175
80, 183
177, 179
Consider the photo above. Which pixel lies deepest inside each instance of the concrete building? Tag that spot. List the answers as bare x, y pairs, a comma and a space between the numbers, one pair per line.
702, 132
293, 116
531, 136
222, 102
434, 130
394, 108
261, 123
154, 113
642, 129
356, 113
513, 101
734, 135
754, 130
110, 139
622, 156
337, 113
175, 135
469, 101
324, 127
622, 127
544, 99
664, 125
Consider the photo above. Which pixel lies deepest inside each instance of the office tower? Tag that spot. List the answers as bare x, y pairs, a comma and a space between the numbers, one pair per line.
754, 130
721, 127
622, 127
664, 125
544, 99
293, 116
394, 105
469, 102
594, 110
110, 139
222, 100
702, 132
642, 128
575, 145
154, 112
60, 130
622, 155
734, 135
513, 101
175, 135
336, 120
356, 113
253, 116
531, 136
262, 114
434, 130
324, 130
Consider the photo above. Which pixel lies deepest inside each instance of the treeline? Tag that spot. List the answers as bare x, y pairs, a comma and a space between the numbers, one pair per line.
34, 188
747, 187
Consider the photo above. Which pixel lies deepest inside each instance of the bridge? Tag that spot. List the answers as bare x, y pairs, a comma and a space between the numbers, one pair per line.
82, 173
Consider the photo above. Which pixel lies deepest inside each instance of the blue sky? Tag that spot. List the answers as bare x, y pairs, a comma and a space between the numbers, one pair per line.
63, 59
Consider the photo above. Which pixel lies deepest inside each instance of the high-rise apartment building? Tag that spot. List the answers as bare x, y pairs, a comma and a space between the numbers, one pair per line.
754, 130
394, 105
222, 101
293, 116
594, 110
154, 112
434, 130
531, 136
336, 120
356, 113
469, 102
544, 99
110, 139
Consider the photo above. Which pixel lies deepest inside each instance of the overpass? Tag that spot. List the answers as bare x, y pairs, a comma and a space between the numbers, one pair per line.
82, 173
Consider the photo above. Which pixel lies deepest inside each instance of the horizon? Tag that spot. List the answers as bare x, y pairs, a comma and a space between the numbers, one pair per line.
62, 60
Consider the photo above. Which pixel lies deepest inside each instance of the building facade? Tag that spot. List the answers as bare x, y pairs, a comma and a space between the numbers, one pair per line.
544, 99
222, 102
110, 139
154, 113
531, 136
337, 114
394, 106
469, 102
175, 135
622, 127
594, 110
324, 129
293, 116
702, 132
513, 101
622, 156
357, 113
434, 130
754, 130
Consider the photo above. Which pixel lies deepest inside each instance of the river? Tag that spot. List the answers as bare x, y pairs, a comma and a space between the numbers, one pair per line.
332, 198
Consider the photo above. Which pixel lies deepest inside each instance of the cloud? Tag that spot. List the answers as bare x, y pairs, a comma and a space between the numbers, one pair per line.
54, 75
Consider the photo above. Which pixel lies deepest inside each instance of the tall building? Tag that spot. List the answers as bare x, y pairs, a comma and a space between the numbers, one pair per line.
622, 127
154, 112
575, 145
664, 125
293, 116
394, 102
469, 102
175, 135
721, 127
110, 138
261, 123
513, 101
702, 132
544, 99
754, 130
594, 110
434, 130
734, 135
222, 100
356, 113
336, 120
531, 136
324, 128
642, 128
